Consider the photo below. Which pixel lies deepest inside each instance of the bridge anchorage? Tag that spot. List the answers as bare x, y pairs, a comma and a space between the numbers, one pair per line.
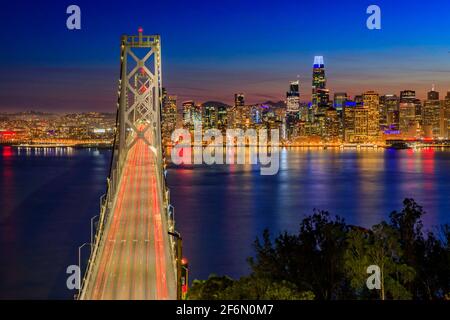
136, 252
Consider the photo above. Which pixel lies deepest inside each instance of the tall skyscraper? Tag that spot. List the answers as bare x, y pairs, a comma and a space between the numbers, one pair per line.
209, 115
431, 115
332, 125
236, 113
389, 114
447, 113
348, 121
222, 117
361, 127
407, 114
371, 100
169, 115
188, 114
239, 100
407, 118
320, 95
293, 97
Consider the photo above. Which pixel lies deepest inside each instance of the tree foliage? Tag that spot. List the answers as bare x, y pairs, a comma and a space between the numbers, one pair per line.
328, 259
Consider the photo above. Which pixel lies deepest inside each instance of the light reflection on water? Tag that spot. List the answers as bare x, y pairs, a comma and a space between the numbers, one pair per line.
221, 209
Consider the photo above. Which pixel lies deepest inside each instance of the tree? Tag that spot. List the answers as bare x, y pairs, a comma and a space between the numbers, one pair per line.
312, 260
378, 246
210, 289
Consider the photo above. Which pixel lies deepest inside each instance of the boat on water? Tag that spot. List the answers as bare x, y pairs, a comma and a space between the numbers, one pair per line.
400, 146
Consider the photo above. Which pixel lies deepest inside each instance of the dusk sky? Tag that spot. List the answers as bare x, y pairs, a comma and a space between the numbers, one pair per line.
212, 49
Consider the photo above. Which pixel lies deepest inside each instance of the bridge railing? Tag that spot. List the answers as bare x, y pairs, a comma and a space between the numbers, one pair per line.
106, 206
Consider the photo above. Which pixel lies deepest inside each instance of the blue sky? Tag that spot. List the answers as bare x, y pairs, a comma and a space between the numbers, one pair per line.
212, 49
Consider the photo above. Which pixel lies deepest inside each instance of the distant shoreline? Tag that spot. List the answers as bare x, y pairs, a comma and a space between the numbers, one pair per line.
315, 146
75, 146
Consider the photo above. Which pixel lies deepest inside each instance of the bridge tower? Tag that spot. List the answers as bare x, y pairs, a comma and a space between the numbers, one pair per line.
140, 95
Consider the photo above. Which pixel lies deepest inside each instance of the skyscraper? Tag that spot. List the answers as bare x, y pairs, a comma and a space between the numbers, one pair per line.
447, 113
348, 120
361, 127
222, 117
236, 113
407, 113
293, 97
320, 95
431, 115
188, 114
371, 100
209, 115
239, 100
169, 115
389, 113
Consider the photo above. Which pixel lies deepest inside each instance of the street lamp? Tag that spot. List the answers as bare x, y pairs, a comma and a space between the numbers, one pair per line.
79, 266
92, 230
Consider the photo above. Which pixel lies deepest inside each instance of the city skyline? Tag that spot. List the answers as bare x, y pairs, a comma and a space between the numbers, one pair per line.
81, 75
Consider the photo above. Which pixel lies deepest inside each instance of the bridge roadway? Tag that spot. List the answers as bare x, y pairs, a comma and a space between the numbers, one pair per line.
134, 261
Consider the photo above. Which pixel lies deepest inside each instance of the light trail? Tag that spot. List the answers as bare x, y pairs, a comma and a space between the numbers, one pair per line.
133, 262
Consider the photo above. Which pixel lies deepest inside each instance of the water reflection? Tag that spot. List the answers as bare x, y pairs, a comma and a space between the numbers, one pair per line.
363, 186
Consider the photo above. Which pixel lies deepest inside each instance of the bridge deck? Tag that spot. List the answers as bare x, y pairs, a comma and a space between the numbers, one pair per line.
134, 261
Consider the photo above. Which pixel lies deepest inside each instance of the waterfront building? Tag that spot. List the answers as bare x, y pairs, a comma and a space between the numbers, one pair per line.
389, 112
188, 114
209, 116
348, 120
320, 95
169, 115
431, 113
371, 101
293, 97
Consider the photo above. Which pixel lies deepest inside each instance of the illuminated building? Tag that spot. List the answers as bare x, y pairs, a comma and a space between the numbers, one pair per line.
168, 115
431, 115
332, 125
371, 101
222, 117
188, 114
408, 109
447, 113
292, 109
340, 98
409, 96
293, 97
320, 95
361, 132
389, 112
291, 122
407, 117
348, 120
236, 113
239, 100
443, 122
209, 115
